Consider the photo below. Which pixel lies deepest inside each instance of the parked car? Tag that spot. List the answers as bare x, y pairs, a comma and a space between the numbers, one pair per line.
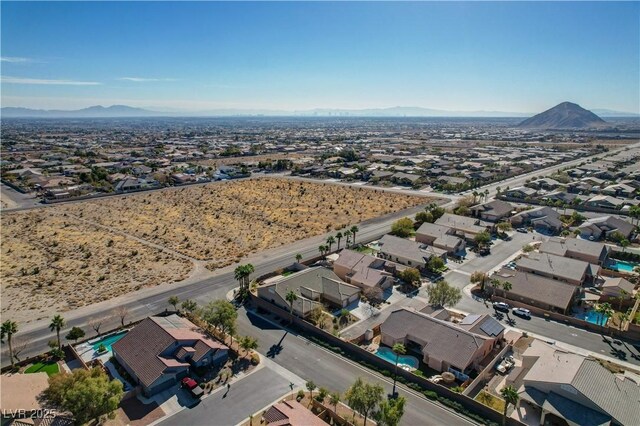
195, 390
501, 306
522, 312
522, 230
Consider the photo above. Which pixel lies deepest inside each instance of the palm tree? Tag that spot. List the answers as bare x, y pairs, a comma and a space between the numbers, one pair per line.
322, 249
241, 274
397, 349
339, 237
475, 196
506, 286
510, 395
347, 235
298, 257
486, 194
331, 241
57, 322
354, 230
8, 329
291, 297
310, 387
334, 399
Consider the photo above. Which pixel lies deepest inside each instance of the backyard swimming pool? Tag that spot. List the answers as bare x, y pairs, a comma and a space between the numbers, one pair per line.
621, 265
388, 355
107, 341
593, 317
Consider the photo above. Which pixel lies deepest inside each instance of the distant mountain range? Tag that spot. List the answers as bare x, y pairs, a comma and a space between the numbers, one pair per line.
398, 111
566, 115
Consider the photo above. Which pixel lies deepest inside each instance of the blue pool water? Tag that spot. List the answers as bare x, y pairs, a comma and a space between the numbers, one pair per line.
388, 355
621, 265
593, 317
108, 340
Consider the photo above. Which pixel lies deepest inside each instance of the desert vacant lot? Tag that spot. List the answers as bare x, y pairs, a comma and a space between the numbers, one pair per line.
70, 255
222, 222
52, 263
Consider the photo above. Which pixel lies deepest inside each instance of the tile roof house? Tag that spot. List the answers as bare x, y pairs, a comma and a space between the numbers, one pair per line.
618, 287
571, 389
604, 226
363, 270
462, 226
575, 248
407, 252
159, 351
441, 237
442, 344
544, 218
534, 290
492, 211
291, 413
313, 286
572, 271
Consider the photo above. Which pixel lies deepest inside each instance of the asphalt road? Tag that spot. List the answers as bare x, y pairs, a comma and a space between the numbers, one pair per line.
333, 372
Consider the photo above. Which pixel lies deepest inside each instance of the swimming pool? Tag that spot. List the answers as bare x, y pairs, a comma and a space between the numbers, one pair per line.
593, 317
107, 341
388, 355
621, 265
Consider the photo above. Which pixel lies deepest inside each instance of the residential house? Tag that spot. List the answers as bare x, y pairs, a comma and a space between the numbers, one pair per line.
619, 190
617, 287
606, 202
521, 192
363, 270
313, 287
572, 271
576, 248
493, 211
441, 237
159, 351
560, 387
535, 290
544, 183
407, 252
443, 345
604, 226
541, 218
290, 413
462, 226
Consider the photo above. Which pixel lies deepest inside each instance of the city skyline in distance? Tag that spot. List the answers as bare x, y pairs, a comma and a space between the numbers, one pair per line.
518, 58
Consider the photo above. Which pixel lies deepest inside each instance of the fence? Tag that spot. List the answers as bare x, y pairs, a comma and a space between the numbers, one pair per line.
362, 355
485, 375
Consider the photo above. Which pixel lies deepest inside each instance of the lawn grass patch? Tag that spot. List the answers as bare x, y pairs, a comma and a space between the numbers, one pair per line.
50, 368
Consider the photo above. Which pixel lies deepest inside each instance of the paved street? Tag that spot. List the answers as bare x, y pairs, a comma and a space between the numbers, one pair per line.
224, 408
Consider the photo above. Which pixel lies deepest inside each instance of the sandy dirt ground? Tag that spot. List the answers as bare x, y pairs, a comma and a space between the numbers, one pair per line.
220, 223
52, 263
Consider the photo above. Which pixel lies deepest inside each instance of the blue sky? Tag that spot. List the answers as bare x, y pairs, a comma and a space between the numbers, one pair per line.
506, 56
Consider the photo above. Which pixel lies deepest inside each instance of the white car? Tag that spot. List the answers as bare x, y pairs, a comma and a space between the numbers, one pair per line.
522, 312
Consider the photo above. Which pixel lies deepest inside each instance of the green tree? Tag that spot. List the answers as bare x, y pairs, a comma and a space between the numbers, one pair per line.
402, 227
411, 276
435, 264
397, 349
338, 238
242, 274
173, 301
510, 396
87, 394
354, 230
75, 333
248, 343
504, 227
310, 387
482, 239
222, 315
624, 243
322, 394
443, 294
634, 212
424, 217
527, 248
334, 399
189, 306
57, 322
331, 241
390, 411
8, 329
347, 236
479, 277
298, 257
291, 297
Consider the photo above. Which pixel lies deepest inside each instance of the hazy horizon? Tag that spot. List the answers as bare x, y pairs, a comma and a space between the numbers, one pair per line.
509, 57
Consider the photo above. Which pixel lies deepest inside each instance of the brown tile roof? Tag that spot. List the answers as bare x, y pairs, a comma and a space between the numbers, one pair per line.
291, 413
534, 287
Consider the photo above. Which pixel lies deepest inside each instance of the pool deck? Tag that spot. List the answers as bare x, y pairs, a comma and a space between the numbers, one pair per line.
88, 353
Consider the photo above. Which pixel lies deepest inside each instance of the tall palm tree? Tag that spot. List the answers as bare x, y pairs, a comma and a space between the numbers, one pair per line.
339, 237
8, 329
291, 297
354, 230
334, 399
331, 241
57, 322
486, 194
510, 395
397, 349
298, 257
241, 274
347, 235
475, 196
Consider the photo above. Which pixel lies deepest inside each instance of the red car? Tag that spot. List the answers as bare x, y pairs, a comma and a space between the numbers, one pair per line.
193, 387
